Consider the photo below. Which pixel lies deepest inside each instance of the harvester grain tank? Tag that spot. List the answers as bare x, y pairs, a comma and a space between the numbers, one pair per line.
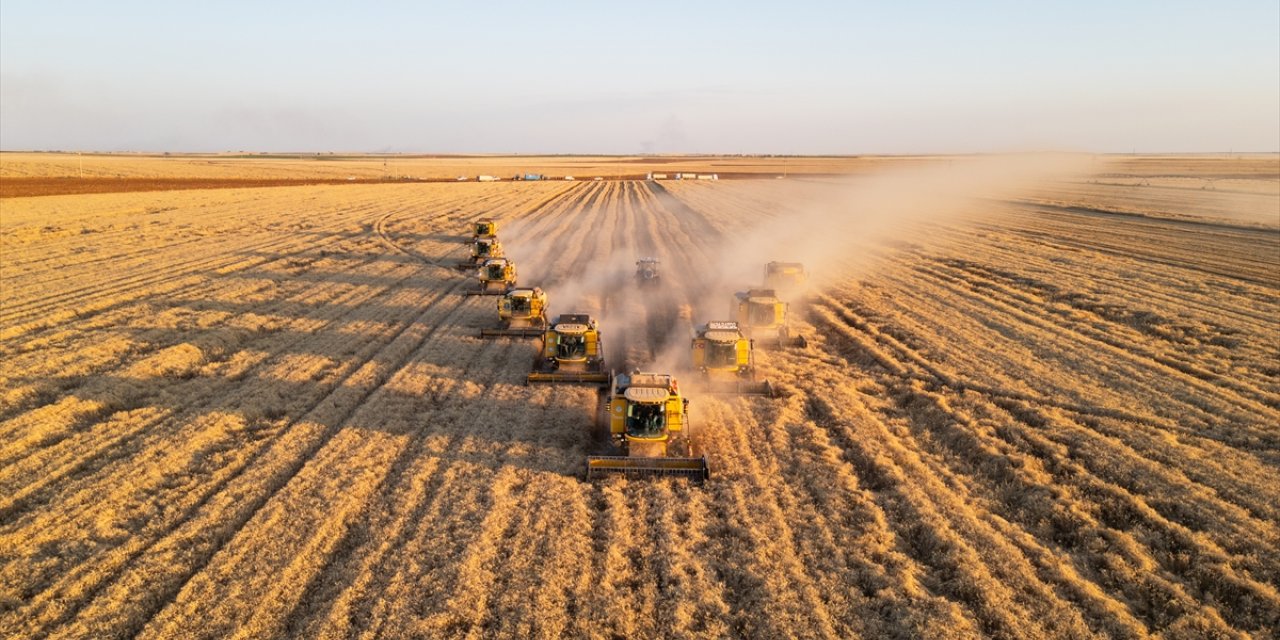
785, 277
649, 427
496, 276
571, 352
521, 314
726, 360
647, 272
763, 317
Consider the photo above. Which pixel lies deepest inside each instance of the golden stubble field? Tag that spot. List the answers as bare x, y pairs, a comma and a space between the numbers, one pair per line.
265, 412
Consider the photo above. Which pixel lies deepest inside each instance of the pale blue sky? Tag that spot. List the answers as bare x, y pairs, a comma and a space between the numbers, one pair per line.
652, 76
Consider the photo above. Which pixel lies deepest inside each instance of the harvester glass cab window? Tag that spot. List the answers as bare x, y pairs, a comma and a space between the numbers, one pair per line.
646, 420
760, 315
722, 354
495, 272
572, 347
520, 304
482, 249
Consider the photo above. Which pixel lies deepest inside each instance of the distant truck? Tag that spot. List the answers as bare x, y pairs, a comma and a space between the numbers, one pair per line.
531, 176
488, 178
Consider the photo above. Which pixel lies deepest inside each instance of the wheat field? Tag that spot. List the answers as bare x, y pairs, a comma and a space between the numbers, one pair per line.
266, 412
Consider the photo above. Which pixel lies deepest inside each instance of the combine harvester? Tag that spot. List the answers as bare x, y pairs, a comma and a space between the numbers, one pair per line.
497, 276
785, 277
482, 249
522, 314
649, 424
484, 228
571, 352
647, 272
763, 317
726, 360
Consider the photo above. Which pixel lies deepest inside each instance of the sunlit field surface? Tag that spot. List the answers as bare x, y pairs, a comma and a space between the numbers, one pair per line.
250, 411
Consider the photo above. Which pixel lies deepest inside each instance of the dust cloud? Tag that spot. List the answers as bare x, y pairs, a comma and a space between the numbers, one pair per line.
838, 233
838, 230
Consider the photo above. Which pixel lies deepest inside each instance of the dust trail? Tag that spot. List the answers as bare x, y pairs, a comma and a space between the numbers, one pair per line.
837, 236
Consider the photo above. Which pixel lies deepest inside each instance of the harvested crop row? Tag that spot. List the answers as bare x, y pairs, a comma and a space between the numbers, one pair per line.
1029, 423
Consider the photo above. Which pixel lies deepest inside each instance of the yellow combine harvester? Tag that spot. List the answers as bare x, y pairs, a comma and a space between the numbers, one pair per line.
485, 248
522, 314
482, 249
497, 276
571, 352
484, 228
649, 424
762, 316
785, 276
726, 360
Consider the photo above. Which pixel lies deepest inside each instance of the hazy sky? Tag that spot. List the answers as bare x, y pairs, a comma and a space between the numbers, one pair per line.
650, 76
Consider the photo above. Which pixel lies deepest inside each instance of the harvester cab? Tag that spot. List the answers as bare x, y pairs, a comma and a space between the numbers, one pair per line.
571, 352
785, 277
649, 428
647, 271
762, 316
484, 228
726, 360
497, 276
521, 314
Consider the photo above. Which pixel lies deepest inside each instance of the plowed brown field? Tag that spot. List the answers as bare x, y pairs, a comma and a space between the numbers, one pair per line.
260, 413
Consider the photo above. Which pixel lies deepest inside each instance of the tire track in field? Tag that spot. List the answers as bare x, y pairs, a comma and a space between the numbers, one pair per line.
88, 455
1004, 484
1235, 407
210, 491
340, 440
274, 348
408, 325
139, 284
157, 337
425, 340
460, 408
220, 290
151, 275
1112, 335
903, 361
